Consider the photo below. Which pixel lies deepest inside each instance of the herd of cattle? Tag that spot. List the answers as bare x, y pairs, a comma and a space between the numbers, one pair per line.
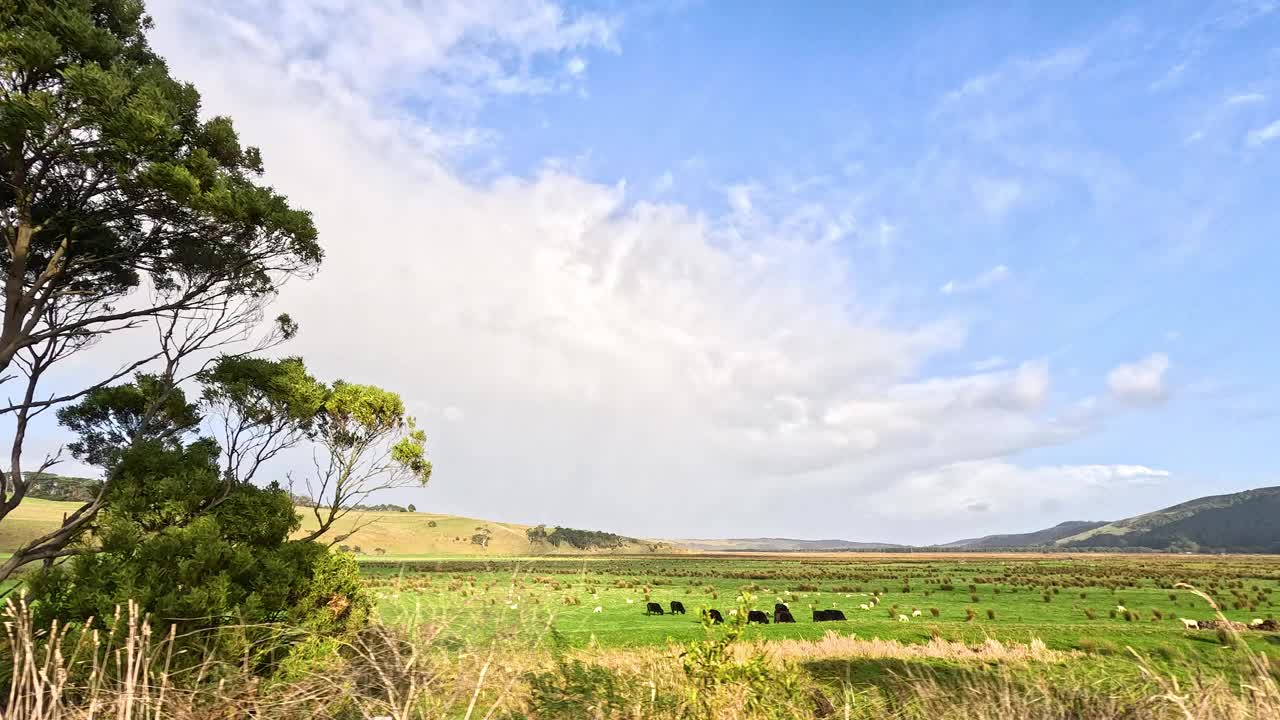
781, 614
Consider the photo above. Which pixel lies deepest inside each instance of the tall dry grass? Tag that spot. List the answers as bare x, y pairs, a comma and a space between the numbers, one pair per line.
128, 671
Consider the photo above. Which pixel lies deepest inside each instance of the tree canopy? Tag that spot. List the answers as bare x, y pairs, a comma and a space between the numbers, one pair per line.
122, 206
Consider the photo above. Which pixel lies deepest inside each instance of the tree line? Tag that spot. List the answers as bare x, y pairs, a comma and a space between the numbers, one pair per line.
578, 539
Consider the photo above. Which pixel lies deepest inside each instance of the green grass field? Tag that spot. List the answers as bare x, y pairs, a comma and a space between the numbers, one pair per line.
558, 597
429, 571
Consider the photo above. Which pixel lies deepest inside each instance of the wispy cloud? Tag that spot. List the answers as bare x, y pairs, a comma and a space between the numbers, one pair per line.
1246, 99
1170, 79
997, 196
983, 281
1141, 382
1263, 135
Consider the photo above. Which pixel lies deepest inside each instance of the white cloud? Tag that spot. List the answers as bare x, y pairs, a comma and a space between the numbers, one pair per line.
1263, 135
739, 197
1056, 66
990, 363
1246, 99
984, 281
1170, 79
576, 65
997, 196
597, 343
1008, 491
1141, 382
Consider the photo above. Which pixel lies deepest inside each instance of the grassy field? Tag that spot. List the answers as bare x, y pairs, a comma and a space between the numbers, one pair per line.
1071, 603
407, 535
1062, 635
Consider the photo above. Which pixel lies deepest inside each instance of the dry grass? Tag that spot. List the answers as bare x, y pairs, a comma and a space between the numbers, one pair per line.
414, 673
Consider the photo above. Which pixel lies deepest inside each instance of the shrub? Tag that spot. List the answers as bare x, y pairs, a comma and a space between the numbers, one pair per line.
197, 552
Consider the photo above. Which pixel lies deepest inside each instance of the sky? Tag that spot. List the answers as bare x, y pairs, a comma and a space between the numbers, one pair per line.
819, 270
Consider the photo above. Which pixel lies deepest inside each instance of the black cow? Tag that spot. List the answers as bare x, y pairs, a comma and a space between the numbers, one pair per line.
828, 615
653, 609
757, 616
781, 607
783, 616
677, 607
714, 614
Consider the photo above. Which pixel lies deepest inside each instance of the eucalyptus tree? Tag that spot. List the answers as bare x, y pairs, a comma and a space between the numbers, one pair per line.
365, 442
120, 206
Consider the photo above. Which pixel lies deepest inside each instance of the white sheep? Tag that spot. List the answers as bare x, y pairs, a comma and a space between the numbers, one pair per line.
916, 613
1255, 622
733, 612
1121, 608
903, 618
1189, 624
629, 601
865, 606
598, 609
515, 606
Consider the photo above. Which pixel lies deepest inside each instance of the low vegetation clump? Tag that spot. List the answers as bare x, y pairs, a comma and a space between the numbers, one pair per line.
577, 539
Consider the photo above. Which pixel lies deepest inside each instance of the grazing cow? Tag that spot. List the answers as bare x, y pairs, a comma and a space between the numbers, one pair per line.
783, 616
1189, 624
780, 607
757, 616
716, 617
1268, 625
653, 609
677, 607
828, 615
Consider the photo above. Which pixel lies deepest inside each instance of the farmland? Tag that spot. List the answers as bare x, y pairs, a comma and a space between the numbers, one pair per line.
1096, 605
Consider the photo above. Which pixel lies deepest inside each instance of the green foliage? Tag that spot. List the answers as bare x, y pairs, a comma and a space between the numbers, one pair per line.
358, 416
48, 486
574, 689
193, 548
710, 665
577, 539
265, 392
118, 179
108, 419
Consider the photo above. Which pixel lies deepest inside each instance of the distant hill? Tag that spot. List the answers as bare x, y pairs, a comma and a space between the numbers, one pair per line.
778, 545
1039, 538
1247, 521
391, 532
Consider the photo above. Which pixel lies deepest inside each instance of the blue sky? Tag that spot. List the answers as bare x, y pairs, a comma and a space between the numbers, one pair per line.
678, 269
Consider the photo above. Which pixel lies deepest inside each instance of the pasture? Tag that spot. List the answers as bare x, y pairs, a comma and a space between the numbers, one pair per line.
1094, 606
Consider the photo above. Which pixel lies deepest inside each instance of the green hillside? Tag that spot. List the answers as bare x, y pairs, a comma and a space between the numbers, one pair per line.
1247, 521
1031, 539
